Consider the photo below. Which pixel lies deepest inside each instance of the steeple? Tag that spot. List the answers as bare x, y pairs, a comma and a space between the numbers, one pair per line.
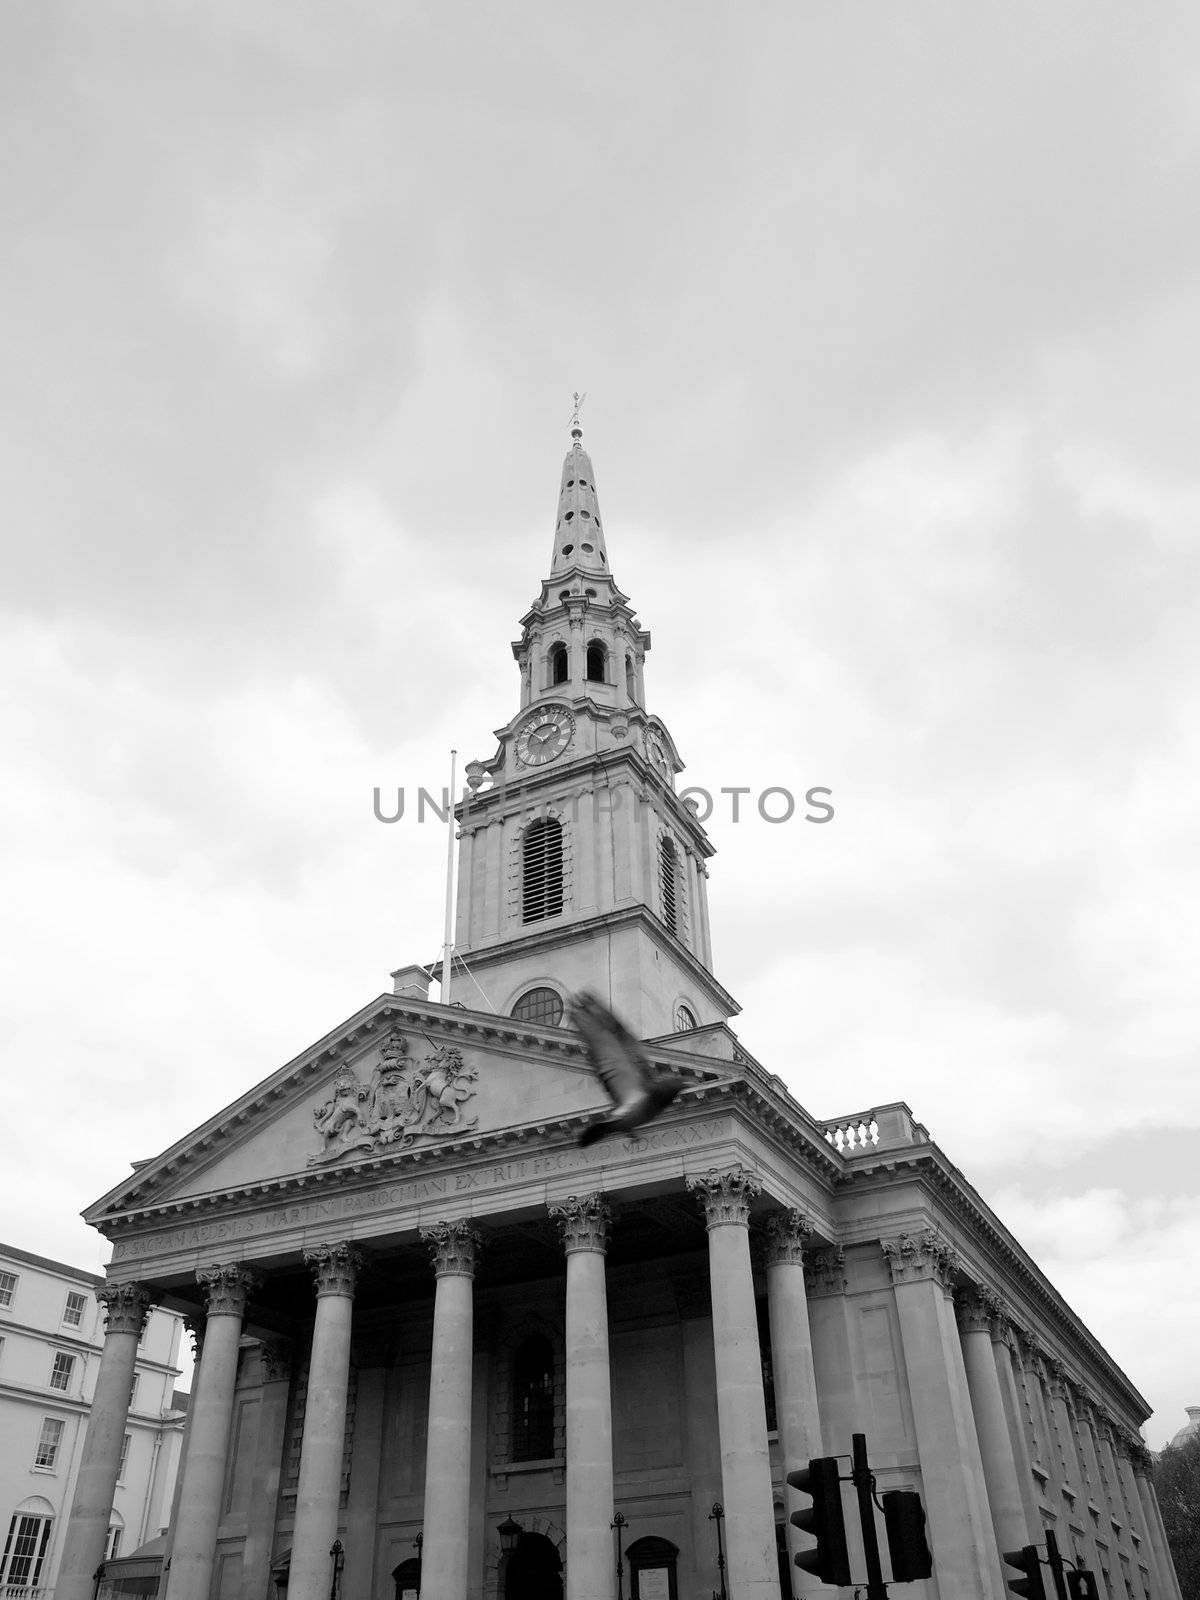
578, 532
580, 866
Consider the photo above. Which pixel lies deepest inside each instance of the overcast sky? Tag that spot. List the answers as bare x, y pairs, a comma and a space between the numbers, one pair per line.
889, 321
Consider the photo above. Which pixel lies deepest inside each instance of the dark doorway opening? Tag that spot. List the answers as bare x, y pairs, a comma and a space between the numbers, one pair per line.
534, 1570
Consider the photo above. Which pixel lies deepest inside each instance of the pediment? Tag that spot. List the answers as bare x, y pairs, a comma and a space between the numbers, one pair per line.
400, 1079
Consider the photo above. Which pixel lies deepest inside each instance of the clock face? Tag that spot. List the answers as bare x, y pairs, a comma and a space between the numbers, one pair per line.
545, 736
657, 752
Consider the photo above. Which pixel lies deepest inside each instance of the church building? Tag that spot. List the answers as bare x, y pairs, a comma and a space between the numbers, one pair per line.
446, 1351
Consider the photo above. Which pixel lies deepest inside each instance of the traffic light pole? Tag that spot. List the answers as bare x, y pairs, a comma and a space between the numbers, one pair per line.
1055, 1563
864, 1487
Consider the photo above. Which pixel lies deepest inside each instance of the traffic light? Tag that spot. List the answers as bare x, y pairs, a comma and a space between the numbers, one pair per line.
830, 1561
1027, 1561
904, 1519
1082, 1585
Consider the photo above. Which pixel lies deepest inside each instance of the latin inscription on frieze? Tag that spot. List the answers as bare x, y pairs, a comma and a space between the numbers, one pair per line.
397, 1196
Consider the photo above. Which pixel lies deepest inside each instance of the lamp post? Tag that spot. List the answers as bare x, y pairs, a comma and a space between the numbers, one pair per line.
717, 1515
337, 1554
618, 1522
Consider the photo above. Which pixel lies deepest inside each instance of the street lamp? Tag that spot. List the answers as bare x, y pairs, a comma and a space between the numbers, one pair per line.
337, 1554
510, 1531
717, 1515
618, 1522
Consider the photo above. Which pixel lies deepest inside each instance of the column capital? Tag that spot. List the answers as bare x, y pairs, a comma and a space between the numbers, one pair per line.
977, 1309
1058, 1380
126, 1307
725, 1196
584, 1222
1029, 1348
226, 1285
453, 1247
825, 1273
917, 1257
1143, 1461
275, 1360
787, 1233
335, 1268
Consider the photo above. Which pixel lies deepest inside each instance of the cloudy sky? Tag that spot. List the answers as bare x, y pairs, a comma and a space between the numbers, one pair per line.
889, 320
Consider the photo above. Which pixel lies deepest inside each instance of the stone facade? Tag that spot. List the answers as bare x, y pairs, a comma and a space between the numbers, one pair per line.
431, 1315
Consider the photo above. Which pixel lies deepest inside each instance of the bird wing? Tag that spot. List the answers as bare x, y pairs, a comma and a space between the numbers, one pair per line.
614, 1054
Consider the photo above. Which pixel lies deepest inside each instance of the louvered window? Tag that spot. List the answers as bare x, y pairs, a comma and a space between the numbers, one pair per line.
559, 665
669, 883
542, 870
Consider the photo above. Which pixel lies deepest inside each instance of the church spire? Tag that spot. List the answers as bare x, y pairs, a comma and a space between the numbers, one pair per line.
578, 532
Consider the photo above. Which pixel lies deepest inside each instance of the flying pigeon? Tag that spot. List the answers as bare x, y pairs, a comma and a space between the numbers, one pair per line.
637, 1092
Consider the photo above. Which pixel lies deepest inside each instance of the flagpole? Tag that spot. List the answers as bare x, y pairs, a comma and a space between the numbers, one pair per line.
449, 932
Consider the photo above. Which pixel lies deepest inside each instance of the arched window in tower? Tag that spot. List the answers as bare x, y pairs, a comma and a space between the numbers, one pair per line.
670, 882
539, 1005
685, 1019
597, 660
559, 665
533, 1399
542, 870
630, 680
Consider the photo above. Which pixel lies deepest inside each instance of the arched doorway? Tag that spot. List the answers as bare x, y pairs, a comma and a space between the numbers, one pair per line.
534, 1570
652, 1564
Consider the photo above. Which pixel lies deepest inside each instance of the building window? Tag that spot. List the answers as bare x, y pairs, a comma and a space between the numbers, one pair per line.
60, 1372
559, 665
114, 1543
8, 1288
669, 882
125, 1442
542, 870
539, 1005
49, 1443
24, 1552
597, 659
685, 1019
73, 1310
533, 1400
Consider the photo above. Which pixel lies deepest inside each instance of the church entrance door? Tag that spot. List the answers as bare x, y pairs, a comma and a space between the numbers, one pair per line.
534, 1570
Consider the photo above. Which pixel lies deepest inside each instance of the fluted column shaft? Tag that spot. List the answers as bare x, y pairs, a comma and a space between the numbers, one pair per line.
584, 1223
448, 1447
1078, 1515
335, 1270
796, 1410
977, 1311
1139, 1534
126, 1307
225, 1288
741, 1409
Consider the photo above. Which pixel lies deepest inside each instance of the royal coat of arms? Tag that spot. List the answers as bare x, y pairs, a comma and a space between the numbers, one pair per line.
403, 1101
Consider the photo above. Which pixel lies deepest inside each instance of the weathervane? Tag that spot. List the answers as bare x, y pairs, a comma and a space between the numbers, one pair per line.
576, 430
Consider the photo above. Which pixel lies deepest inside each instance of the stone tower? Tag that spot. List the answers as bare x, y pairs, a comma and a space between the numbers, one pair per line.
579, 865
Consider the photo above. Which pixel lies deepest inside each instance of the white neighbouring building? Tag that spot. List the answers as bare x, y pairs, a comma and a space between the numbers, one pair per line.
444, 1346
52, 1331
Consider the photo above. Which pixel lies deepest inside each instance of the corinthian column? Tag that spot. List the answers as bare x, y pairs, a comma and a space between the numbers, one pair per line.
453, 1246
792, 1365
741, 1409
335, 1270
979, 1310
584, 1224
961, 1535
126, 1307
225, 1290
1156, 1536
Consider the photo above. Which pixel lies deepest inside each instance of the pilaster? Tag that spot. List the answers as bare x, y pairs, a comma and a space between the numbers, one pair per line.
979, 1311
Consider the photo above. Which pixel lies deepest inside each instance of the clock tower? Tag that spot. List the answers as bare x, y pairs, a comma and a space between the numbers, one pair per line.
579, 865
